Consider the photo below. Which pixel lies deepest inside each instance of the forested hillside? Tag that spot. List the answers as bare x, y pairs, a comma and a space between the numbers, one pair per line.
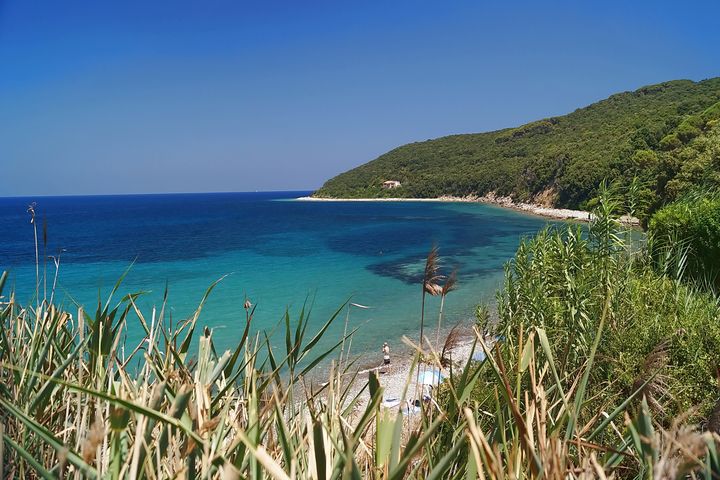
668, 135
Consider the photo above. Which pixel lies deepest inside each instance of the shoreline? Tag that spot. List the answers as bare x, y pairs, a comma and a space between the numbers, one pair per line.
399, 381
489, 199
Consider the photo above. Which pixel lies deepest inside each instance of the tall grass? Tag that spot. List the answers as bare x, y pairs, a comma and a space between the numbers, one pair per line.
76, 401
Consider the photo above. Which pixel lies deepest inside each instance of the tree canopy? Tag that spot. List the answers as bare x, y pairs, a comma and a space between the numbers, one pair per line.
668, 135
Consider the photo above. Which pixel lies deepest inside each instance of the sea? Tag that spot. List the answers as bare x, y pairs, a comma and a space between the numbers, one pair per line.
363, 259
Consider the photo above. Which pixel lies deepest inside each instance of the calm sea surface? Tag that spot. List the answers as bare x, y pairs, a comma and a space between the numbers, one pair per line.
271, 249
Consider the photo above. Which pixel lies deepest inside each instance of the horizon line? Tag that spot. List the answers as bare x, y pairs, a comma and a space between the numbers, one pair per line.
138, 194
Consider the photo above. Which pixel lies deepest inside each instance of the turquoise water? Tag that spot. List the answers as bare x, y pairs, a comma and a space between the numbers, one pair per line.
274, 250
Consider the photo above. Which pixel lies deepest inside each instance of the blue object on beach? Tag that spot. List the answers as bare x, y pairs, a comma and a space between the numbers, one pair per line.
479, 356
430, 377
410, 409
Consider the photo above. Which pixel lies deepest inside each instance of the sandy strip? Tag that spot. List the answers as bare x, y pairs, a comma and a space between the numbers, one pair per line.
506, 202
395, 377
328, 199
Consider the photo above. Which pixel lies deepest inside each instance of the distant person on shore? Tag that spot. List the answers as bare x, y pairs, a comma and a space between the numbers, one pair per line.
386, 354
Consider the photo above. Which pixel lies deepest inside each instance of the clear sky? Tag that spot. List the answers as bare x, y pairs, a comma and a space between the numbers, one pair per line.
149, 96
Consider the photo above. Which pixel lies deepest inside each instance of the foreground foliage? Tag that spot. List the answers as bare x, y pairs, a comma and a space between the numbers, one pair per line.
597, 359
599, 294
693, 224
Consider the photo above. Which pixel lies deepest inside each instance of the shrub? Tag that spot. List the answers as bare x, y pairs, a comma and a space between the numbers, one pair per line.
711, 113
692, 223
686, 132
643, 159
660, 337
670, 142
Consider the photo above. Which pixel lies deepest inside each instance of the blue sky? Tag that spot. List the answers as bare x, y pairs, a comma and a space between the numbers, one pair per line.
132, 97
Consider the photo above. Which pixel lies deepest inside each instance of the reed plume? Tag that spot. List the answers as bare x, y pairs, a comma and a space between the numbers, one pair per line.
31, 211
431, 285
453, 339
446, 288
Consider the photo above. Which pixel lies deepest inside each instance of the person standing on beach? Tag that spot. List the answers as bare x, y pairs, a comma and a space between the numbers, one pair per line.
386, 354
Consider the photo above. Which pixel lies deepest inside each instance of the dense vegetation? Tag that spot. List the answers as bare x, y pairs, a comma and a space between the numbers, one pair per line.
605, 364
668, 135
601, 294
693, 225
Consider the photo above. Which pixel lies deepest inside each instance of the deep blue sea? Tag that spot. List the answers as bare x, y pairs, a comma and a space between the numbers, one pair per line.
272, 249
